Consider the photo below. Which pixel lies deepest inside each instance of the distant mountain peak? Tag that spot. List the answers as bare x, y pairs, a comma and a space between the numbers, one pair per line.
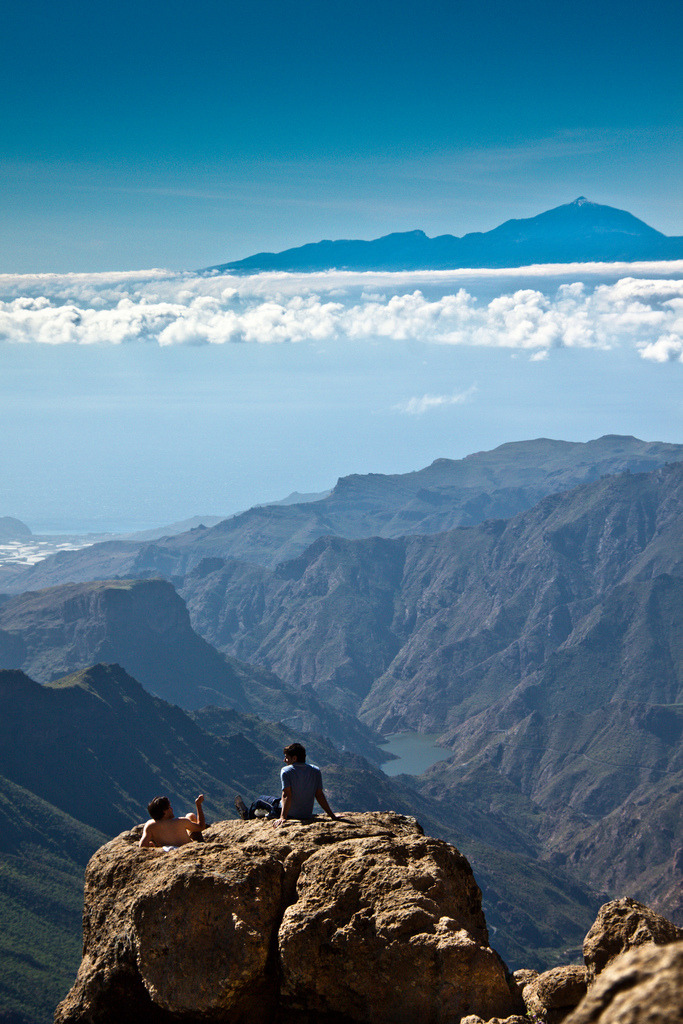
578, 232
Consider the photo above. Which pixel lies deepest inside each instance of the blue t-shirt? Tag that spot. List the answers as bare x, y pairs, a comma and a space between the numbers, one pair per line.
304, 780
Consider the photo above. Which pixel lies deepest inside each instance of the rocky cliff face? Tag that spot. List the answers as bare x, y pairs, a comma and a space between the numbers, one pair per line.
364, 919
140, 624
425, 632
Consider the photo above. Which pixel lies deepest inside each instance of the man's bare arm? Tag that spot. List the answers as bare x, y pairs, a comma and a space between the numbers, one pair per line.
146, 839
199, 804
284, 809
196, 822
322, 800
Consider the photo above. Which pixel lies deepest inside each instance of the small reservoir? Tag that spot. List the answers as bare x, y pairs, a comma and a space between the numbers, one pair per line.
415, 753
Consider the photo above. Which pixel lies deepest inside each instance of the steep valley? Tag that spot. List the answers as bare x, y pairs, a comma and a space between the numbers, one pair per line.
544, 647
546, 650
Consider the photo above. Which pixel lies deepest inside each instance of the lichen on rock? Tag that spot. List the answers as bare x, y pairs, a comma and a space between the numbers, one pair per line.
364, 919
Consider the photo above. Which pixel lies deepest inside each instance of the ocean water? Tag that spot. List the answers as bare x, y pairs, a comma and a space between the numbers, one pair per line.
415, 752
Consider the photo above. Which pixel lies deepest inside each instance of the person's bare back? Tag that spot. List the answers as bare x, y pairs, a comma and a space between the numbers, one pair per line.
164, 829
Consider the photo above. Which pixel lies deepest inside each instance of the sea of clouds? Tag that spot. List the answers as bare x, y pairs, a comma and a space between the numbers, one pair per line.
534, 309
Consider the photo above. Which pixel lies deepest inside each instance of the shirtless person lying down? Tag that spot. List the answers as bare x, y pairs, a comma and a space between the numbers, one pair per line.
164, 829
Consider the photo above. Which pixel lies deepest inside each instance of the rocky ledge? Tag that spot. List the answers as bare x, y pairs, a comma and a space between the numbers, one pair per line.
364, 919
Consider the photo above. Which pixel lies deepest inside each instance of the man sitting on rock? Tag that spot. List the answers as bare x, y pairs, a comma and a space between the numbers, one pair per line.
301, 784
164, 829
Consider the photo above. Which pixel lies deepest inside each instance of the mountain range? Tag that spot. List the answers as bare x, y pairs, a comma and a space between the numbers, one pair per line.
495, 484
577, 232
420, 632
522, 604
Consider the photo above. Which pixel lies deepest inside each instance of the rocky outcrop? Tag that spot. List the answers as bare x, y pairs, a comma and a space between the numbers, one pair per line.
633, 973
643, 986
622, 925
364, 919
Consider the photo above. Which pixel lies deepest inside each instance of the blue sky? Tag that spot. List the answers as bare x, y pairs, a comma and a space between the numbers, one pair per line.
177, 136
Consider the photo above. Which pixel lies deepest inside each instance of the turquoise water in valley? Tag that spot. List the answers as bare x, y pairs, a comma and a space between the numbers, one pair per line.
415, 751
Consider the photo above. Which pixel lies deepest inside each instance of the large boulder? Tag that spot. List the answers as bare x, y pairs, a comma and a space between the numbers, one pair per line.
404, 923
643, 986
523, 976
365, 919
622, 925
553, 994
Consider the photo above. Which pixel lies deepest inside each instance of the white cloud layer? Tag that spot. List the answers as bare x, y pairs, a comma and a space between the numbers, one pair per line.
534, 310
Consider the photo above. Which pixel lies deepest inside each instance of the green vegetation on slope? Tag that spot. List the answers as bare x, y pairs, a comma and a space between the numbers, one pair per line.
43, 853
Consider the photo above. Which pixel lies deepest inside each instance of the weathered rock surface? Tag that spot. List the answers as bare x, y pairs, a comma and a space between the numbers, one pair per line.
643, 986
363, 920
622, 925
523, 976
472, 1018
550, 996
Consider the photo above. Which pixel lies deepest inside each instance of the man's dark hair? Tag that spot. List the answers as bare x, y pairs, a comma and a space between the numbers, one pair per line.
296, 751
158, 807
